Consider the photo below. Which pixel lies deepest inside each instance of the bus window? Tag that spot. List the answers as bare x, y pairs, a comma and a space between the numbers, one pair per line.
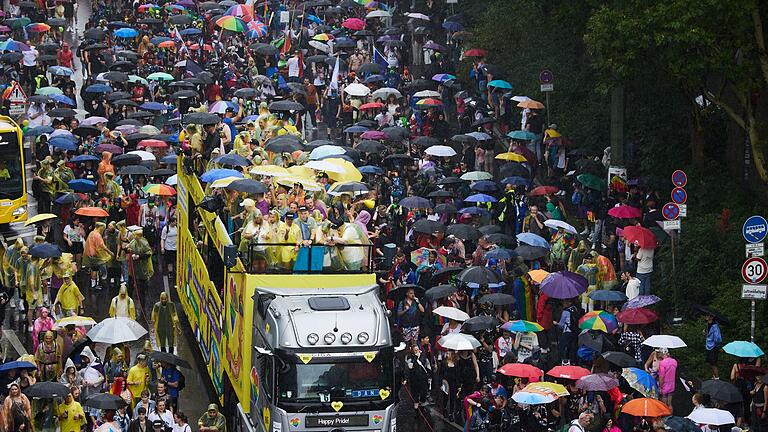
11, 170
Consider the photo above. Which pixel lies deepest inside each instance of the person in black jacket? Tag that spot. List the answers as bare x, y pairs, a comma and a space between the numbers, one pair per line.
418, 374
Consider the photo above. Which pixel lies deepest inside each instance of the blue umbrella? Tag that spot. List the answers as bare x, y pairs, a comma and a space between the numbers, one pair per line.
157, 40
215, 174
500, 254
63, 99
63, 144
82, 185
39, 130
521, 135
60, 71
641, 381
153, 106
169, 160
313, 18
356, 129
232, 160
85, 158
480, 198
190, 32
743, 349
374, 78
12, 365
473, 211
608, 295
98, 88
69, 198
484, 186
126, 32
452, 26
533, 240
371, 169
45, 250
515, 181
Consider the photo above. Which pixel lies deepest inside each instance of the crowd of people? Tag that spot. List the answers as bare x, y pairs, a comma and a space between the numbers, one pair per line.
518, 274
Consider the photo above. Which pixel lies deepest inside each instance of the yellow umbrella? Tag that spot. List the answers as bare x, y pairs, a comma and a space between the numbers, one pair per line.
269, 170
301, 171
551, 387
307, 184
532, 104
39, 218
538, 275
350, 171
510, 156
79, 321
224, 182
552, 133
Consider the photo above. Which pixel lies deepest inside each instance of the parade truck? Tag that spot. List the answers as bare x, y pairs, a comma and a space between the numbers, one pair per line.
285, 349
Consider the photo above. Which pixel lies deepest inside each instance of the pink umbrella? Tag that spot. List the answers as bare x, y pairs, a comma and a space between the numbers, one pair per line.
109, 148
353, 24
373, 135
625, 212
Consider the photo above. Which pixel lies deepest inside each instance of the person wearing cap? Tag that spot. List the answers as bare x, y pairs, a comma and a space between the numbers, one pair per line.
165, 323
212, 420
138, 377
140, 254
69, 298
122, 304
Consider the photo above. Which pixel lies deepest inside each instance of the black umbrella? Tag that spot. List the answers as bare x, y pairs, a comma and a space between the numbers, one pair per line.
62, 112
722, 391
182, 85
48, 47
708, 311
415, 202
84, 131
247, 92
513, 169
39, 99
480, 323
184, 94
463, 231
399, 292
620, 359
479, 275
284, 144
396, 133
117, 96
450, 181
45, 250
130, 122
46, 390
483, 121
134, 170
248, 186
489, 229
426, 226
11, 57
141, 114
596, 340
45, 58
202, 118
180, 19
122, 65
370, 124
126, 159
150, 21
445, 273
318, 58
115, 76
501, 239
445, 208
528, 252
297, 88
421, 84
399, 158
425, 141
286, 105
264, 49
105, 401
169, 358
370, 68
162, 172
370, 146
440, 291
127, 55
125, 102
440, 193
498, 299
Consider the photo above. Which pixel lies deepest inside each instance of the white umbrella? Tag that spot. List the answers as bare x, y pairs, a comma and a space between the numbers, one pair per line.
182, 63
440, 150
416, 15
356, 89
326, 150
480, 136
476, 176
555, 224
665, 341
92, 121
384, 92
149, 130
321, 165
711, 416
172, 180
520, 98
144, 155
62, 133
321, 46
459, 342
378, 14
427, 94
451, 313
117, 330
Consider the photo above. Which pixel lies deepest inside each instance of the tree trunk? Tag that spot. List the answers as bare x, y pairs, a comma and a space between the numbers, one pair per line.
758, 153
697, 140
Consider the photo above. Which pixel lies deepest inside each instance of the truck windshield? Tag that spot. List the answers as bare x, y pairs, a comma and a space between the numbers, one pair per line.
349, 379
10, 166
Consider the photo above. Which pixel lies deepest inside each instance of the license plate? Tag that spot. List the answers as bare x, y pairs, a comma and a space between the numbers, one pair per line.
336, 421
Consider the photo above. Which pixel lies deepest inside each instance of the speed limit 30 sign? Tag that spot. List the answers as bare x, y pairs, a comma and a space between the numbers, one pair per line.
754, 270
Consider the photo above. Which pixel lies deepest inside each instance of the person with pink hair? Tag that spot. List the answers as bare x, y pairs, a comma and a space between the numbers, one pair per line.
42, 324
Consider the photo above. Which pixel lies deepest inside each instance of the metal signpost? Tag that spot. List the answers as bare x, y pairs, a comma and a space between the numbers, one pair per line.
754, 270
546, 80
672, 212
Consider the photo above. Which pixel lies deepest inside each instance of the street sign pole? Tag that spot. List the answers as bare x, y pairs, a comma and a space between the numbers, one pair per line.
545, 79
754, 232
752, 322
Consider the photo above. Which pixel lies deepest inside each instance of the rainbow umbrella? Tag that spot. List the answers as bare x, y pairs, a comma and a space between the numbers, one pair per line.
231, 23
598, 320
147, 7
521, 326
641, 381
175, 8
442, 77
429, 103
323, 37
421, 255
37, 28
241, 11
159, 189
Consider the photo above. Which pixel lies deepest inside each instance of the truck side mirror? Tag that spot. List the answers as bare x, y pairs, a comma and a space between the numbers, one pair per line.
263, 351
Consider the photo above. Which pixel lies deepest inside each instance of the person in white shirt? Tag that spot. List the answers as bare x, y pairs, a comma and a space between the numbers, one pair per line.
294, 67
644, 259
168, 239
180, 423
161, 413
29, 60
632, 284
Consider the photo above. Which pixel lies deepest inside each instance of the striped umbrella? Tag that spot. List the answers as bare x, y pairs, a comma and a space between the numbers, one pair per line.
598, 320
231, 23
37, 28
159, 189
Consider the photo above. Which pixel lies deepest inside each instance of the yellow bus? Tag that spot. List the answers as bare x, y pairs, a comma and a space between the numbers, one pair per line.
13, 184
285, 351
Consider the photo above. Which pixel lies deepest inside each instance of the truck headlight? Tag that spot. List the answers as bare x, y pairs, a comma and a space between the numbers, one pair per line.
346, 338
362, 337
329, 338
19, 211
312, 338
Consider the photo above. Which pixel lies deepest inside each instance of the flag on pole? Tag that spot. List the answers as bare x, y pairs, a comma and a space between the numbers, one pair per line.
334, 85
379, 58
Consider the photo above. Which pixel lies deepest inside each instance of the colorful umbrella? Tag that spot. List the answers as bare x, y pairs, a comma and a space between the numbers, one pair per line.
637, 316
597, 382
641, 301
521, 326
429, 103
568, 372
625, 212
126, 33
521, 370
37, 28
159, 189
421, 256
240, 10
558, 390
257, 29
501, 84
442, 77
641, 381
231, 23
353, 24
534, 398
743, 349
599, 320
646, 407
531, 104
643, 237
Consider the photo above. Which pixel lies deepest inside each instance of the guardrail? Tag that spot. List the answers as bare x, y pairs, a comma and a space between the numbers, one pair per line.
287, 258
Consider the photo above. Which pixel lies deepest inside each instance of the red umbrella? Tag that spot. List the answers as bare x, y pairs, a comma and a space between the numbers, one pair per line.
625, 212
153, 143
643, 237
544, 190
521, 370
371, 105
353, 24
206, 47
568, 372
475, 52
637, 316
92, 211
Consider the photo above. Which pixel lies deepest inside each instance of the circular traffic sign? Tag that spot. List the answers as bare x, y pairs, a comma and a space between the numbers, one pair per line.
754, 270
679, 195
755, 229
679, 178
670, 211
546, 77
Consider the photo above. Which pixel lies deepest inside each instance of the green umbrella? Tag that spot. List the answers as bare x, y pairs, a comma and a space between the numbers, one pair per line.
47, 91
136, 78
592, 181
160, 76
20, 22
